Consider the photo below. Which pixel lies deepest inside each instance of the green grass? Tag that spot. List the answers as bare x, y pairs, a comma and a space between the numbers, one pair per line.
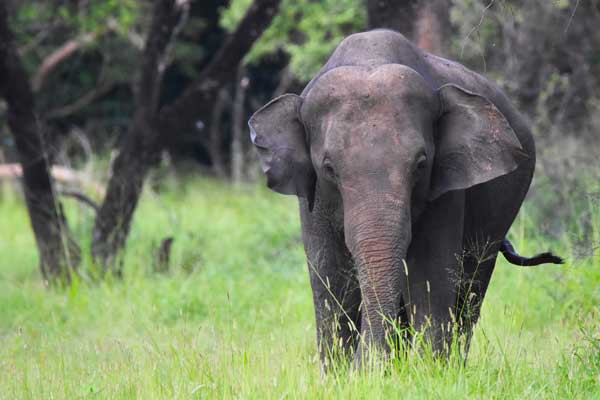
234, 318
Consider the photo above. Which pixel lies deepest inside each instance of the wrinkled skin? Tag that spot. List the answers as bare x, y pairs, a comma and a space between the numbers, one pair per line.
396, 155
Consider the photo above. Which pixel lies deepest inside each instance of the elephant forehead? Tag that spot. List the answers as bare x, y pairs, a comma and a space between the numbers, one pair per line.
366, 117
368, 86
383, 134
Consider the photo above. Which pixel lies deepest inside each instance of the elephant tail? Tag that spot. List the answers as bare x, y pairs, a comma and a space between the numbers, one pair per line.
513, 257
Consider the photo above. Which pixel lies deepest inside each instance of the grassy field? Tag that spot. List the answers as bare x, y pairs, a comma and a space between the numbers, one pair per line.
234, 318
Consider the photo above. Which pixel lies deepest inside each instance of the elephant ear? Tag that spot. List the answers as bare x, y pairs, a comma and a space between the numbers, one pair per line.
474, 142
278, 134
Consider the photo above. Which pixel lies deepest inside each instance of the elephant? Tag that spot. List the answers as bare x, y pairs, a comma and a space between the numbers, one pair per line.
409, 169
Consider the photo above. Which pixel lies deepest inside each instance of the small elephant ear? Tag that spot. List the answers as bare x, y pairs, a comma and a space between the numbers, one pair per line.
474, 142
278, 134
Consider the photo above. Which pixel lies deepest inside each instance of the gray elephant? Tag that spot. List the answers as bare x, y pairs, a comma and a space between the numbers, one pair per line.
409, 169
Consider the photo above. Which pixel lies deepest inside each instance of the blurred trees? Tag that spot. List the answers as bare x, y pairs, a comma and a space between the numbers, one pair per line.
218, 61
151, 128
546, 56
81, 55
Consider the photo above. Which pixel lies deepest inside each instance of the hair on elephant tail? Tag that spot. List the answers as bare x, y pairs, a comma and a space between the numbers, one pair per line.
513, 257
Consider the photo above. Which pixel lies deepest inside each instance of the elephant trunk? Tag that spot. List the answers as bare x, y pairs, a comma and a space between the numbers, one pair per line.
378, 233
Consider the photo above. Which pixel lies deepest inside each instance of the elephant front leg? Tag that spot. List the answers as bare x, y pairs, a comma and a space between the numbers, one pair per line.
432, 276
336, 297
336, 292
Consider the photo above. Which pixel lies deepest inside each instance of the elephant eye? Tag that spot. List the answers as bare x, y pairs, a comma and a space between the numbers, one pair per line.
328, 169
421, 163
419, 168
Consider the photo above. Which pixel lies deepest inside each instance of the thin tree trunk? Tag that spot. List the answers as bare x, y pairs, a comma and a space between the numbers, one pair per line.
59, 254
239, 126
216, 135
140, 150
123, 192
432, 27
425, 22
398, 15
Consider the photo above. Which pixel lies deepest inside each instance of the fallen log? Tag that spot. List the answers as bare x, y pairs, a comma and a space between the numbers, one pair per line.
62, 175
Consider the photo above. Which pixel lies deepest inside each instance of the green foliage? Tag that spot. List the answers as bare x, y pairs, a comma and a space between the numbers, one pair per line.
106, 57
84, 17
234, 319
307, 30
190, 53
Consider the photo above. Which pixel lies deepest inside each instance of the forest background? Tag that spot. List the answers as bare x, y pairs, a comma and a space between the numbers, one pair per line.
125, 161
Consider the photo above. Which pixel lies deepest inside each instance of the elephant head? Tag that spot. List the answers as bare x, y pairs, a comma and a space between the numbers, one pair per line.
375, 145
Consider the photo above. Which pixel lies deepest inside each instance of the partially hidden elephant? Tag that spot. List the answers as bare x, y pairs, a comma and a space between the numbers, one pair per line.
410, 170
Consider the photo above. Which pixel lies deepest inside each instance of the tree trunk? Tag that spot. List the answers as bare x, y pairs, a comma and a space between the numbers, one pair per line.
140, 150
148, 133
432, 27
398, 15
129, 170
59, 254
425, 22
239, 127
215, 147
